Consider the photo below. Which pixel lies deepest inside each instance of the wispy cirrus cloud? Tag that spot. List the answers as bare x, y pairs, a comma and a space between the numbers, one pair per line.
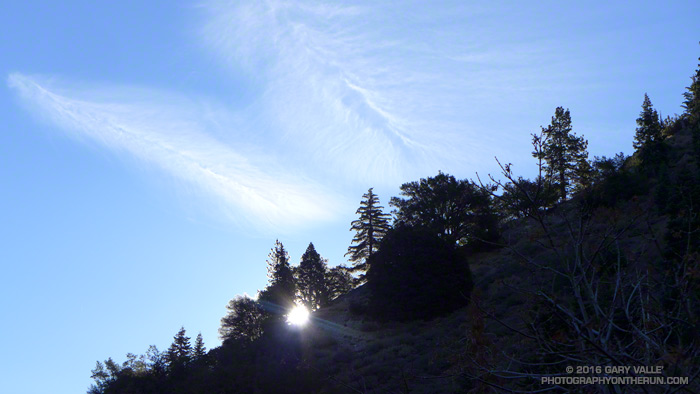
341, 89
370, 93
176, 135
381, 90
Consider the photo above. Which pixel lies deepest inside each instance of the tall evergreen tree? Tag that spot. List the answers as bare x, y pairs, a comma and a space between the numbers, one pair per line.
691, 104
648, 125
692, 110
311, 279
565, 155
179, 353
280, 294
199, 350
648, 138
370, 228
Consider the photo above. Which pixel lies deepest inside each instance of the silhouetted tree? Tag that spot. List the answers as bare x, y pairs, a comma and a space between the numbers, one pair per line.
648, 140
648, 126
113, 368
370, 229
522, 197
179, 353
134, 365
199, 350
339, 281
604, 167
565, 155
458, 211
511, 203
102, 378
157, 360
243, 321
691, 104
311, 279
280, 294
613, 183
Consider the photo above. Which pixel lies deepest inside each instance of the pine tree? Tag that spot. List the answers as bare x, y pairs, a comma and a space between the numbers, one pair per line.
311, 279
648, 138
649, 126
691, 104
280, 294
565, 155
370, 228
179, 353
692, 110
199, 350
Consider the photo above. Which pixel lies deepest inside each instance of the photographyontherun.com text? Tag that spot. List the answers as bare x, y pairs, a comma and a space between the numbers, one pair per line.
634, 376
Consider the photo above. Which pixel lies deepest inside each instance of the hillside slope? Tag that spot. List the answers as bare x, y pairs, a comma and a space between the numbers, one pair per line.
609, 277
494, 342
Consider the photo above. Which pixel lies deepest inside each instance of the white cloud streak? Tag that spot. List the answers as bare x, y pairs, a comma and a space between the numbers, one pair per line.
169, 133
368, 93
380, 91
338, 89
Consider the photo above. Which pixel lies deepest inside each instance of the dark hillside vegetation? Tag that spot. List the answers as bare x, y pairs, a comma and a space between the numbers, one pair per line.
489, 286
417, 275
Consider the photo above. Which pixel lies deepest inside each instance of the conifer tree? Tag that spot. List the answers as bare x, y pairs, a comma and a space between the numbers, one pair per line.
199, 350
311, 279
648, 138
280, 294
692, 110
648, 125
179, 353
691, 104
370, 228
565, 155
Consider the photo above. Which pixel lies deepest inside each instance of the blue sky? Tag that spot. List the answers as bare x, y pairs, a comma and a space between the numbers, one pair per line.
150, 155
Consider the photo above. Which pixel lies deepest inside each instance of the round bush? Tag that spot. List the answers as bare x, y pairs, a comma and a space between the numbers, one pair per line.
416, 274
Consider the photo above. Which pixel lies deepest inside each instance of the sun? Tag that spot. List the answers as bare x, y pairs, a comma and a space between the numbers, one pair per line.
298, 316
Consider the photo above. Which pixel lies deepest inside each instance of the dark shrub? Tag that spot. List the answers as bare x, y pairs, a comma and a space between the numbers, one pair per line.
416, 274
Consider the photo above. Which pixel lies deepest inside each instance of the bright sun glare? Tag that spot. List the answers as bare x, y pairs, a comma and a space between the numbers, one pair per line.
298, 316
